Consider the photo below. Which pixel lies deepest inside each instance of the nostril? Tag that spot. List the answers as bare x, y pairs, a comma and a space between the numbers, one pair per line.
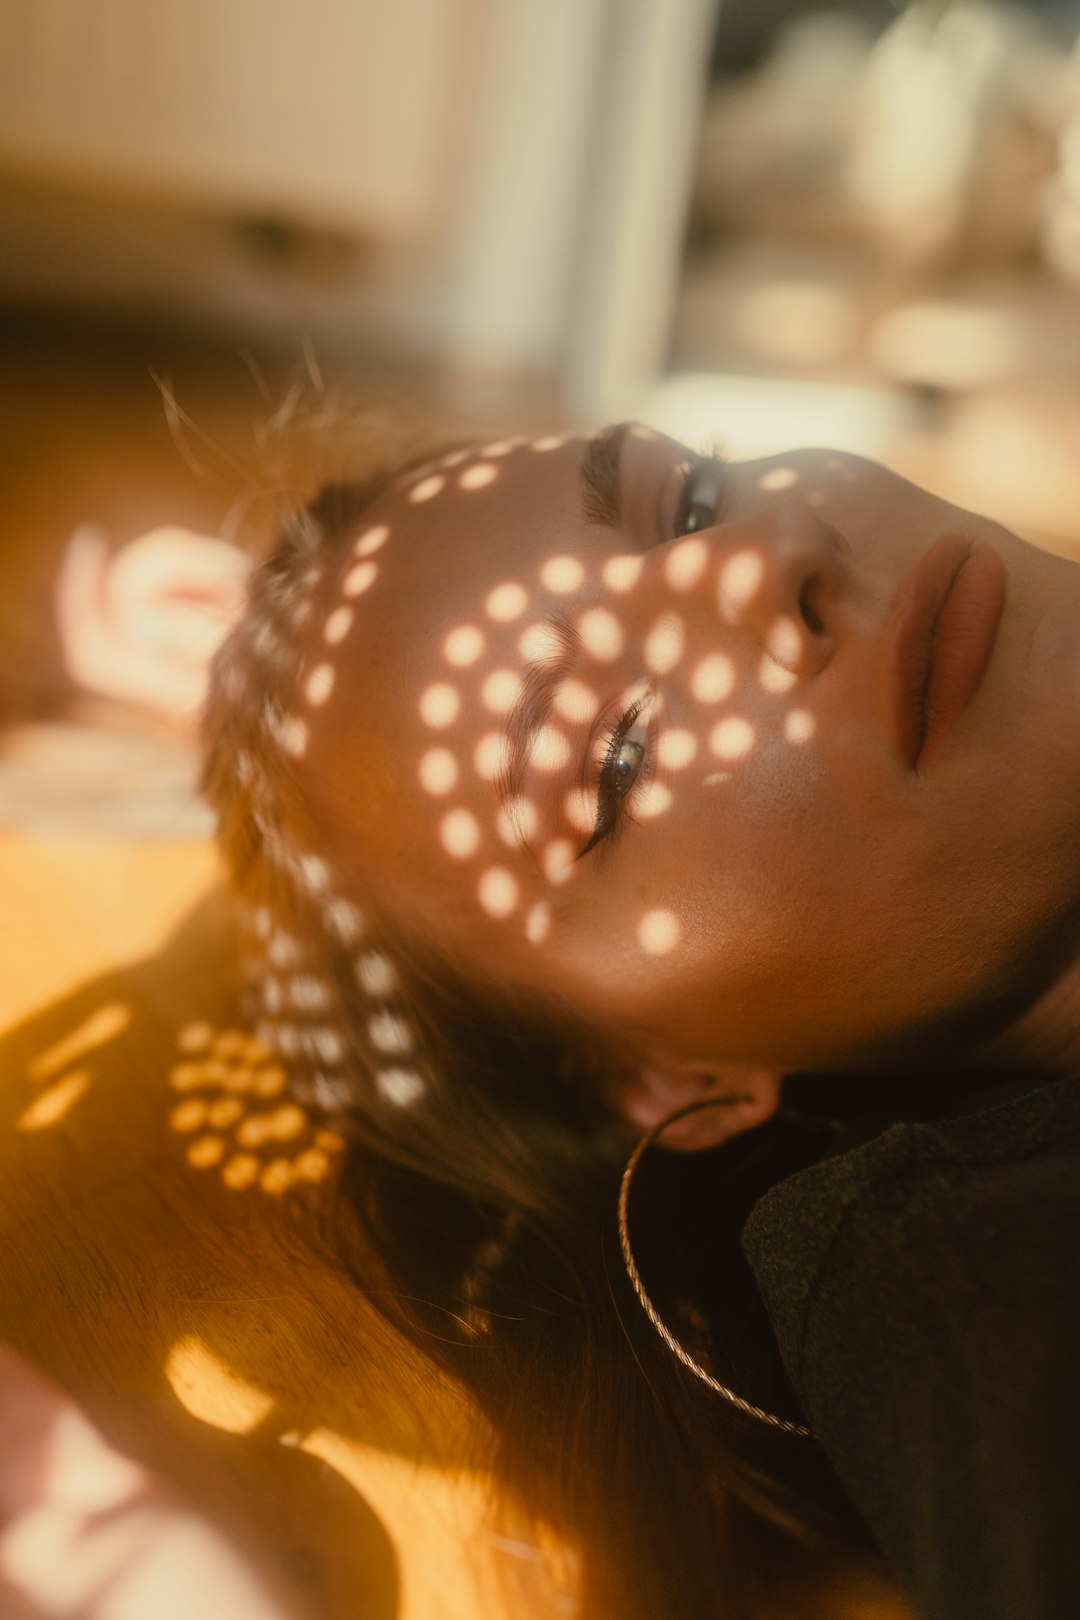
808, 598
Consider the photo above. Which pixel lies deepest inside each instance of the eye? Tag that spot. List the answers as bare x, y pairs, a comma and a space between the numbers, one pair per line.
623, 762
626, 765
701, 497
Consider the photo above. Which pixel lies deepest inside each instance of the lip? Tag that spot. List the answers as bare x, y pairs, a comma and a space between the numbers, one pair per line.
944, 629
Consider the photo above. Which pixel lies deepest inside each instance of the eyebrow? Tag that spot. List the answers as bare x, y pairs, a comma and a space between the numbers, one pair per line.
600, 471
531, 711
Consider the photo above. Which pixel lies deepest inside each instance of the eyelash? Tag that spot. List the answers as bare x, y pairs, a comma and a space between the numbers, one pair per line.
608, 799
713, 462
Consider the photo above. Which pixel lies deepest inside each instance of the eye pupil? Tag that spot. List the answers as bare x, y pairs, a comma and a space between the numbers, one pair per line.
700, 516
626, 765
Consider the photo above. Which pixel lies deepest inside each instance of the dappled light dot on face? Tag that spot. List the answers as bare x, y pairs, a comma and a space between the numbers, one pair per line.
713, 679
733, 738
676, 748
601, 634
579, 811
440, 705
506, 603
497, 892
557, 859
664, 644
360, 579
540, 643
490, 756
621, 574
517, 821
652, 800
463, 646
550, 750
459, 832
684, 564
773, 677
740, 580
549, 442
538, 923
784, 640
562, 575
478, 476
501, 447
799, 726
402, 1087
372, 540
778, 478
658, 932
338, 626
499, 691
427, 489
575, 701
438, 771
319, 685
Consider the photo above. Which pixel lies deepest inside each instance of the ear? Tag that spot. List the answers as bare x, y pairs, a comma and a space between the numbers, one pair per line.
655, 1090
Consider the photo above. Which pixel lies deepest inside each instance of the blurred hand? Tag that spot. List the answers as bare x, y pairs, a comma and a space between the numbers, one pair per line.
86, 1534
143, 623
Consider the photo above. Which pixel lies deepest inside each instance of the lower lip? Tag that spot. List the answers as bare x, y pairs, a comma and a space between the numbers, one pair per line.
945, 627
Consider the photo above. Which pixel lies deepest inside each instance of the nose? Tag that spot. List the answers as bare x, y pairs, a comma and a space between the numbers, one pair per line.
779, 578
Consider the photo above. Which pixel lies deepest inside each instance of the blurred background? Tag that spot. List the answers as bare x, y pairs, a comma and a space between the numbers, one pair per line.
773, 222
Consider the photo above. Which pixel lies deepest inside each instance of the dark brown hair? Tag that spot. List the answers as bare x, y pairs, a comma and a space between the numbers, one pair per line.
481, 1186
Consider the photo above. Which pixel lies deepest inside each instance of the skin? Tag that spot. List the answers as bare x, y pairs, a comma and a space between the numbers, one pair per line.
783, 893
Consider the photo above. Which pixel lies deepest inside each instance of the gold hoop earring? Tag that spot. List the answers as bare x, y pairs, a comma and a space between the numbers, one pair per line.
646, 1303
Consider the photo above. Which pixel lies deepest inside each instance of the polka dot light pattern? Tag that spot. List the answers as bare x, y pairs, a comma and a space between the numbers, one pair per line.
225, 1078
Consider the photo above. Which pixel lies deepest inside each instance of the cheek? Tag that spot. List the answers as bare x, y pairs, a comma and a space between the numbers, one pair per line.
709, 922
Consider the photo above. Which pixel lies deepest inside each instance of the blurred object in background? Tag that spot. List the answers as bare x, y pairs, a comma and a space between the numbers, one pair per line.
421, 179
882, 213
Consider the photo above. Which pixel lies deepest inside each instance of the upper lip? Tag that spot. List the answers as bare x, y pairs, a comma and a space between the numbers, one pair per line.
923, 594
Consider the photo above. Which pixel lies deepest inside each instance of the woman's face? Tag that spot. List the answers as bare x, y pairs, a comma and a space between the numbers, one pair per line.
769, 764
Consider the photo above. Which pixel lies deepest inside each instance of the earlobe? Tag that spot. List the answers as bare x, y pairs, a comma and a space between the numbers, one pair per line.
652, 1092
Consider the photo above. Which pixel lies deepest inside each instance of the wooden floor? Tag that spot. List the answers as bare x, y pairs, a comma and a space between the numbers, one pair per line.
166, 1212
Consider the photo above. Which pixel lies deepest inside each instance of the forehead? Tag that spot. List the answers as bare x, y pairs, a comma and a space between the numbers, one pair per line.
457, 525
426, 598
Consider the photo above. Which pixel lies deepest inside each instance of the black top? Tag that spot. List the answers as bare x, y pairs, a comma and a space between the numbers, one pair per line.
924, 1290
